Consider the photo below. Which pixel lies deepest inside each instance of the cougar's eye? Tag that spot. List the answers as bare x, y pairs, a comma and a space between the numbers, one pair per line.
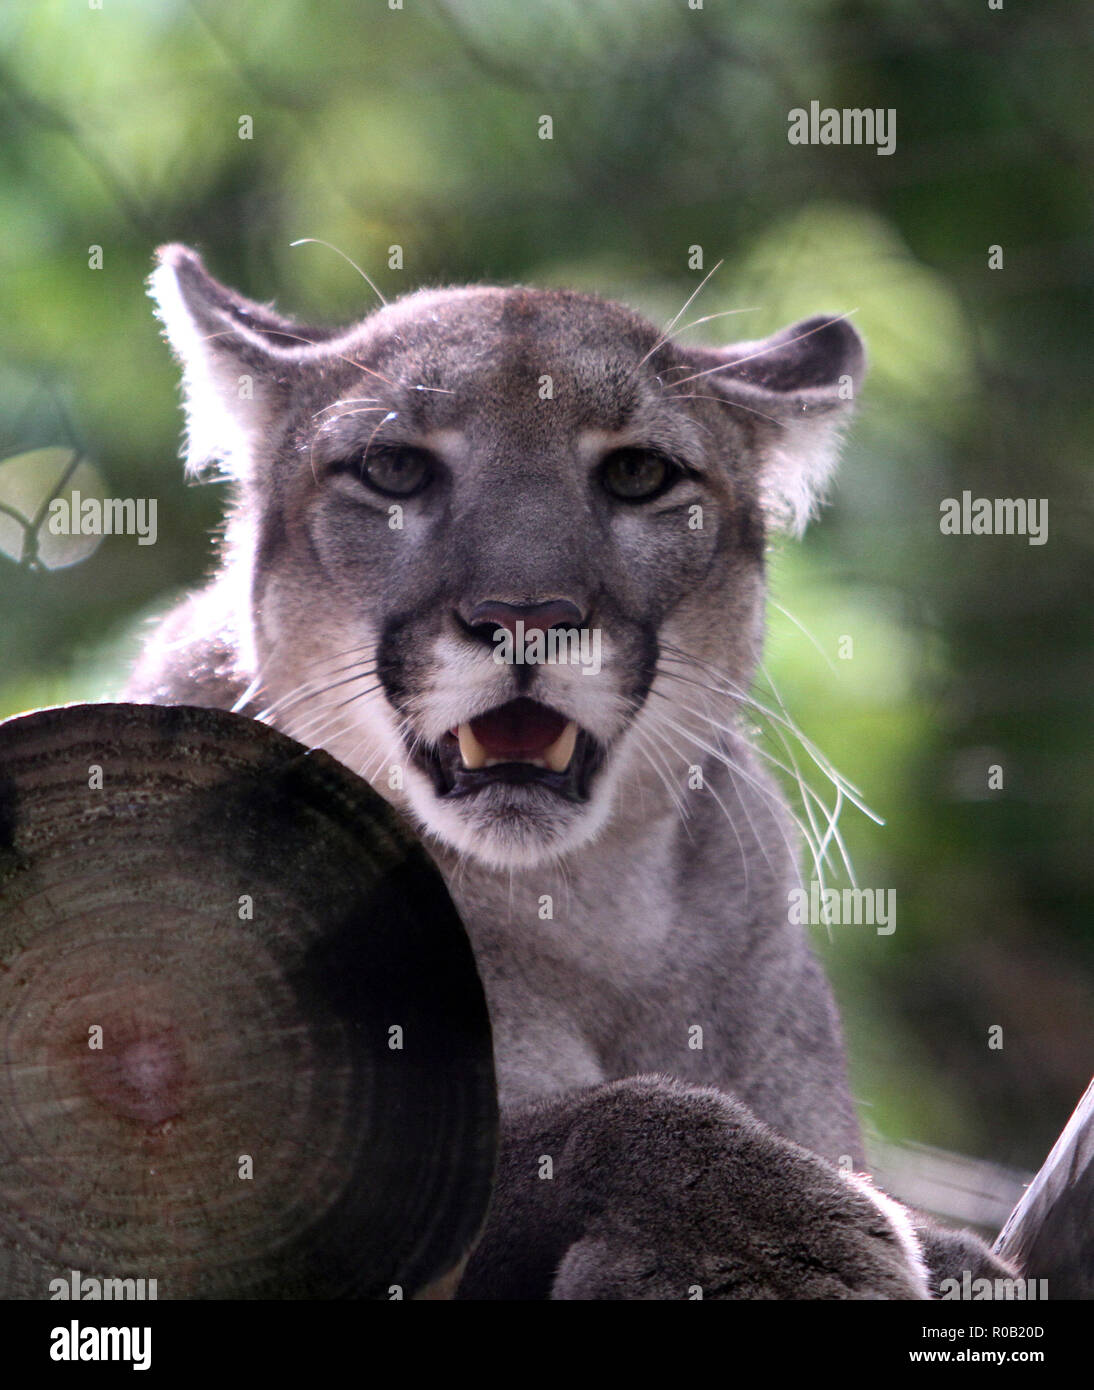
395, 470
636, 475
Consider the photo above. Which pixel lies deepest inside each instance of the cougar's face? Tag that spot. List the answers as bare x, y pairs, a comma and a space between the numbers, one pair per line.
481, 531
490, 511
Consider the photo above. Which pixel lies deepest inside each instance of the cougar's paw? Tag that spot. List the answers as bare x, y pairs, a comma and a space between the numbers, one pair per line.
951, 1254
687, 1195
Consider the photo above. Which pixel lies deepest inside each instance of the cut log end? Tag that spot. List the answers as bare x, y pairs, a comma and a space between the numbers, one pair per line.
244, 1048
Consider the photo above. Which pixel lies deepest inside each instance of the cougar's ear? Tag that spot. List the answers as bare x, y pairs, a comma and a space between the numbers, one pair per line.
798, 388
236, 356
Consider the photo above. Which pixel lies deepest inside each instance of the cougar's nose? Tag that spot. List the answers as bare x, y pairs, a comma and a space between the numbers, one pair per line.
487, 617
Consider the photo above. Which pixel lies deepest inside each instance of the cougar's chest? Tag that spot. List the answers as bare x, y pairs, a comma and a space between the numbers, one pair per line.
569, 957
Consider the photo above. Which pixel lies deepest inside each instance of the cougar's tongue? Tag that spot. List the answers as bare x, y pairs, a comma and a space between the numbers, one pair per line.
521, 731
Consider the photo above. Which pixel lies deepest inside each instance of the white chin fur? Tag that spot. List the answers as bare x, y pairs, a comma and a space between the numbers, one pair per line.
509, 827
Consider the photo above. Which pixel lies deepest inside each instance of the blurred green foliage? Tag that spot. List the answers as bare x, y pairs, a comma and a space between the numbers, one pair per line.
418, 126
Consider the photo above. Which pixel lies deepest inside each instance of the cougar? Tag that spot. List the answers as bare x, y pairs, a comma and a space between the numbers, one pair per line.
501, 551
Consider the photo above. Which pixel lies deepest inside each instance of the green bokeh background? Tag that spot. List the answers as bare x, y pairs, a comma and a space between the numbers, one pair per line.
119, 128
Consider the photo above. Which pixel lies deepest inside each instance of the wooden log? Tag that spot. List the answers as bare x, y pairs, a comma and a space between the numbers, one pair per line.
1050, 1233
244, 1049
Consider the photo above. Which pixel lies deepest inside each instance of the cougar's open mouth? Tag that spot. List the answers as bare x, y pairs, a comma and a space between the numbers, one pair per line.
519, 743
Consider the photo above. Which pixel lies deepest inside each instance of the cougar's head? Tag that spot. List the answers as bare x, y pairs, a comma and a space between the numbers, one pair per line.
472, 529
